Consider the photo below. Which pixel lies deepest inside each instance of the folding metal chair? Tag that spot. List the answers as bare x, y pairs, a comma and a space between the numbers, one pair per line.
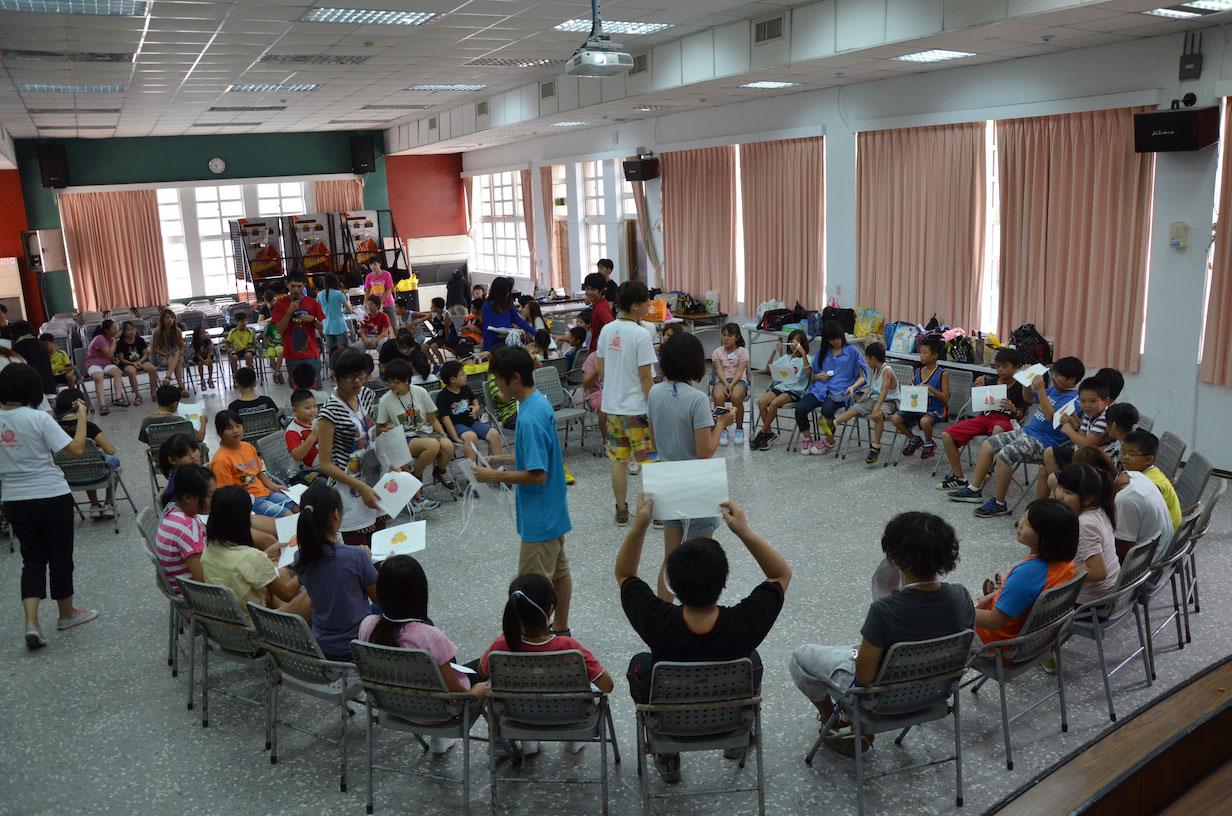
90, 471
700, 707
547, 380
1204, 521
918, 683
156, 434
260, 423
405, 692
179, 619
958, 404
1171, 452
1169, 571
278, 460
1191, 484
547, 696
300, 666
191, 319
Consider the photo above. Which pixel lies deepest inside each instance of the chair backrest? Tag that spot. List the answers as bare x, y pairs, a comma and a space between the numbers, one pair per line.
704, 684
218, 612
547, 380
86, 470
1171, 451
163, 581
79, 360
191, 319
259, 423
1146, 423
1051, 610
147, 525
290, 643
1191, 484
960, 391
1134, 570
1180, 537
902, 372
1204, 519
919, 674
277, 459
548, 685
159, 432
405, 683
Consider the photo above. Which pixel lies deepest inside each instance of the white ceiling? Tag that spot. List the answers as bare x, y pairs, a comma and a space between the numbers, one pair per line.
189, 51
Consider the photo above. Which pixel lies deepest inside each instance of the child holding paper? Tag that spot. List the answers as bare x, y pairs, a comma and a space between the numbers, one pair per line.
1090, 430
932, 376
838, 372
238, 463
684, 429
408, 408
458, 410
993, 421
791, 355
168, 398
878, 400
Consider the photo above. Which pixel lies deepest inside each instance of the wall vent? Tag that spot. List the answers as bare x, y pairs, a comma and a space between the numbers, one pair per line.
641, 63
481, 108
432, 123
768, 30
547, 90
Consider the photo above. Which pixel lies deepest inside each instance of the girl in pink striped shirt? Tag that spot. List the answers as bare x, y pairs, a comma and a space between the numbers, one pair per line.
180, 538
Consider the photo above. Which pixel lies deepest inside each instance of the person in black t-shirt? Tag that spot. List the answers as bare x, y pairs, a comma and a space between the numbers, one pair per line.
458, 409
249, 400
702, 630
605, 267
399, 348
133, 357
922, 547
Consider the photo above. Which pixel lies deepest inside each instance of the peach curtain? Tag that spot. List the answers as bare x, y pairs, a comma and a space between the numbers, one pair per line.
643, 227
555, 279
920, 222
528, 218
339, 195
1216, 365
699, 222
115, 248
1075, 230
782, 189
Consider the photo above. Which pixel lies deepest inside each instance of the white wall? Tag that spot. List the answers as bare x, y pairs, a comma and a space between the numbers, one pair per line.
1141, 72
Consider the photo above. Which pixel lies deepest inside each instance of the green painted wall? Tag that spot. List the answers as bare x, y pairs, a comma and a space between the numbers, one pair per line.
159, 159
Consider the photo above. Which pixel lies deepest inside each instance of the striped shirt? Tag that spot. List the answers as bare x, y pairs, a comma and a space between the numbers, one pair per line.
1098, 427
347, 438
179, 537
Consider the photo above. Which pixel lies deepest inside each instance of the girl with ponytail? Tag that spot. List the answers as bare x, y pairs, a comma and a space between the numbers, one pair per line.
340, 579
1090, 492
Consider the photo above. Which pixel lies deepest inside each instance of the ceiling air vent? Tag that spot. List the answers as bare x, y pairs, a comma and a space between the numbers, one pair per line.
481, 108
432, 123
768, 30
547, 90
641, 63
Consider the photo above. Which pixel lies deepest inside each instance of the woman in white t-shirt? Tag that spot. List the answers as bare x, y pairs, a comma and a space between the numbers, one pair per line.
1089, 493
37, 499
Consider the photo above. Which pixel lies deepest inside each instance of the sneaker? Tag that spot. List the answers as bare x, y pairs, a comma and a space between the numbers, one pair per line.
766, 440
968, 493
1049, 665
96, 512
78, 617
827, 425
723, 438
569, 477
668, 766
34, 637
622, 516
929, 450
442, 477
634, 468
822, 447
991, 508
873, 455
806, 447
845, 743
913, 445
738, 438
422, 504
441, 745
952, 483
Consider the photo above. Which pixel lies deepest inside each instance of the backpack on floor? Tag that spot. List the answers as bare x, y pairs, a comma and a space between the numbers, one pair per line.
1031, 345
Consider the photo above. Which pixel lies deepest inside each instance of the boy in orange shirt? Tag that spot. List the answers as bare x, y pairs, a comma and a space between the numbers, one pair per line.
237, 463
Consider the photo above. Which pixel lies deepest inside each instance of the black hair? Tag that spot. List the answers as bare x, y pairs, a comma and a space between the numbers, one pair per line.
532, 306
102, 328
1115, 380
267, 293
398, 371
1144, 441
405, 338
374, 299
331, 281
419, 362
697, 571
230, 520
303, 375
47, 337
629, 294
1090, 483
65, 399
245, 377
299, 395
297, 277
501, 294
450, 370
316, 510
437, 303
174, 447
733, 328
606, 263
21, 383
1123, 415
167, 395
193, 482
577, 333
1070, 367
543, 339
477, 304
682, 359
831, 330
351, 362
531, 597
1008, 355
1097, 458
1095, 384
876, 351
512, 362
223, 420
402, 592
920, 542
586, 316
20, 328
240, 316
1056, 526
595, 280
934, 343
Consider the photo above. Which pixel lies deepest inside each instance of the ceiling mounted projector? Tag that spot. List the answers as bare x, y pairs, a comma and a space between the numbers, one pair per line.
598, 56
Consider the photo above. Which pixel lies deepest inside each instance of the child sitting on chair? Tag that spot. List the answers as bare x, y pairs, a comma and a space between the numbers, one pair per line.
730, 381
839, 371
168, 398
878, 400
1085, 428
575, 339
794, 355
375, 328
408, 410
241, 342
202, 350
301, 436
237, 463
1138, 451
994, 419
931, 375
61, 365
249, 399
458, 411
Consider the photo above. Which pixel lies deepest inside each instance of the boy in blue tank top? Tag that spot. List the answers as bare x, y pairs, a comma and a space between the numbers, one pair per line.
937, 380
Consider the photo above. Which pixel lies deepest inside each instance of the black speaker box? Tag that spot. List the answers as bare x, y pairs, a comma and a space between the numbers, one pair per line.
362, 159
641, 169
1173, 130
53, 164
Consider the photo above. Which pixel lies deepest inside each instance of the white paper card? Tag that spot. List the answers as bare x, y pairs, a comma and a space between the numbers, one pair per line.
1027, 375
887, 579
913, 398
192, 411
295, 491
985, 398
689, 489
401, 540
785, 372
395, 490
8, 344
392, 448
486, 492
458, 667
1064, 411
285, 527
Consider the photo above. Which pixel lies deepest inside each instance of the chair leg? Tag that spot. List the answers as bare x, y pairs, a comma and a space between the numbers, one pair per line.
368, 742
271, 729
1146, 661
611, 731
821, 736
1145, 602
1184, 570
1103, 668
858, 735
603, 761
342, 738
192, 660
1056, 655
466, 763
1005, 715
642, 772
171, 650
1176, 613
205, 682
761, 771
958, 800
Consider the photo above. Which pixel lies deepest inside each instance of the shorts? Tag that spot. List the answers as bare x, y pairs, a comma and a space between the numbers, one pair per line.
1016, 448
443, 341
779, 391
629, 438
1063, 454
272, 351
105, 371
159, 360
694, 527
241, 351
273, 505
818, 670
912, 418
62, 379
546, 558
479, 429
982, 425
864, 408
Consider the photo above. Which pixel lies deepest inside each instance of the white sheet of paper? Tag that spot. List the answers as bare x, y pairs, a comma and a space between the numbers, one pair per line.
487, 492
395, 490
985, 398
479, 457
392, 448
887, 579
192, 411
295, 491
401, 540
783, 373
1064, 411
913, 398
1027, 375
8, 344
458, 667
287, 558
689, 489
285, 526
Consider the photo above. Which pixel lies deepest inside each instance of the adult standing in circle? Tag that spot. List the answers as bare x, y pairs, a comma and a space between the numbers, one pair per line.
457, 291
499, 312
167, 349
296, 314
37, 500
380, 283
334, 302
344, 436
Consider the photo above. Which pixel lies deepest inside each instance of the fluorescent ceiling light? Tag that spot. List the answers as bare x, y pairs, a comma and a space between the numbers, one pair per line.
356, 121
429, 87
245, 108
568, 124
272, 87
109, 8
769, 85
396, 107
69, 56
313, 59
935, 55
512, 62
1209, 5
60, 88
652, 108
41, 111
614, 26
1173, 13
225, 124
354, 16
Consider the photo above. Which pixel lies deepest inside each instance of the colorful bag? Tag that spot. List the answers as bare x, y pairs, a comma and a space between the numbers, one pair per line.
960, 349
868, 321
906, 338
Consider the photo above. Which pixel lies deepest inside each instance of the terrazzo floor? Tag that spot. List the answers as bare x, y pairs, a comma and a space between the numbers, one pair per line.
95, 724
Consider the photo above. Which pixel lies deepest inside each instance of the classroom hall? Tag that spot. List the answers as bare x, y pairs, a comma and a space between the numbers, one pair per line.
237, 206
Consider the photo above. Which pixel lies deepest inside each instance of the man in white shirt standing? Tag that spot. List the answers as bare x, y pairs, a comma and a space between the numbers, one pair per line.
625, 356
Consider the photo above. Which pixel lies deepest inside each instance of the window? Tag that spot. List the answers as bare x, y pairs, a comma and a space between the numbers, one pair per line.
628, 208
175, 250
216, 207
990, 285
594, 207
560, 192
282, 198
499, 244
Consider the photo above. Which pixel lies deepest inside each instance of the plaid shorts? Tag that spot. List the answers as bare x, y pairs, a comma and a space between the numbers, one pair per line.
629, 438
1015, 447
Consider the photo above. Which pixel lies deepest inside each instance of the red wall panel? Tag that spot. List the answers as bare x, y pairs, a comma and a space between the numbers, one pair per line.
12, 223
425, 195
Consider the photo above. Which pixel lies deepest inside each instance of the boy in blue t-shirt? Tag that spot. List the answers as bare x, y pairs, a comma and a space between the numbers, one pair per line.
1011, 449
538, 477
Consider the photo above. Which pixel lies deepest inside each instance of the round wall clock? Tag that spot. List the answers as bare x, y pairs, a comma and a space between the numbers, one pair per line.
217, 166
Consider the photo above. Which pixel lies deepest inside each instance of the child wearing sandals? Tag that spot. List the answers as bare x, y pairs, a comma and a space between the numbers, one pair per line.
99, 365
839, 371
731, 377
794, 353
203, 355
878, 400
